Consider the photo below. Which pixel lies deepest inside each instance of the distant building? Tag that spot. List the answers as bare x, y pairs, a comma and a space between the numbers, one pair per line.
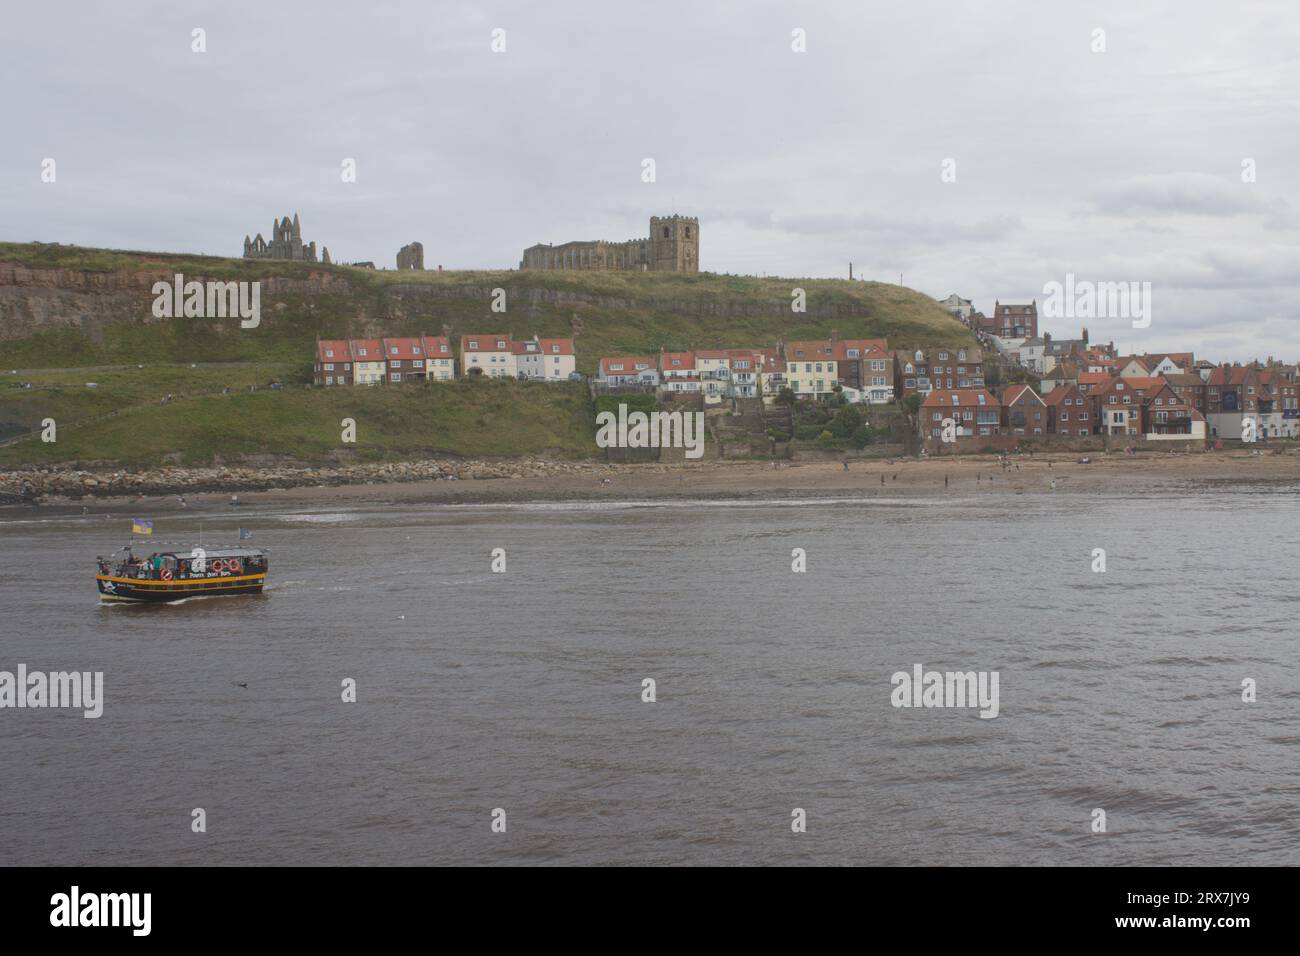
411, 257
286, 243
961, 308
672, 246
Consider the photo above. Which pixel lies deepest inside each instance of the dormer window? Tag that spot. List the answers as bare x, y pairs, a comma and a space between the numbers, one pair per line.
500, 344
473, 344
555, 349
329, 353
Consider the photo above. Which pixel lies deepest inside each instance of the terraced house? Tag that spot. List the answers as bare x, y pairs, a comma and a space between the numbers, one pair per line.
810, 368
627, 370
1024, 411
973, 411
439, 360
1069, 413
490, 354
867, 366
403, 359
369, 366
333, 362
544, 360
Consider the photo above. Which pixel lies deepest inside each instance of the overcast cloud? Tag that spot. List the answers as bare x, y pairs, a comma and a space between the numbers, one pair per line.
1123, 165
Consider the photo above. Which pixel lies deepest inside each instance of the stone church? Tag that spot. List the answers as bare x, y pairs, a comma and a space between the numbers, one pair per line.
672, 246
286, 243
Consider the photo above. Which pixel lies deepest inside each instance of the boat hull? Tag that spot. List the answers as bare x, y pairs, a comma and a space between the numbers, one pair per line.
144, 591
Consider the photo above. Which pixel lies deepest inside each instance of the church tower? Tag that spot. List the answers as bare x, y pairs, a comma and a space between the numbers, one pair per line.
674, 244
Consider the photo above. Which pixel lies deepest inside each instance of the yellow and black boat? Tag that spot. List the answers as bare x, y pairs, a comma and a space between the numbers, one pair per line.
172, 576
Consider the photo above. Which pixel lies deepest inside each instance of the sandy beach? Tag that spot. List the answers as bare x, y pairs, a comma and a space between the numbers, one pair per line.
1114, 474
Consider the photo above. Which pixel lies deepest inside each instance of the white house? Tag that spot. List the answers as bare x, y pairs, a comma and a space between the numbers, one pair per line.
627, 370
544, 360
489, 354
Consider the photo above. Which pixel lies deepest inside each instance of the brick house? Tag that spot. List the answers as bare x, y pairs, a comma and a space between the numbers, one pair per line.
1014, 321
404, 360
333, 362
1167, 415
868, 366
1023, 411
1190, 387
1120, 404
974, 411
1069, 412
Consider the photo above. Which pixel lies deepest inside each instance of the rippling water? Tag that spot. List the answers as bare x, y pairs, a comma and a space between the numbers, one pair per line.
522, 690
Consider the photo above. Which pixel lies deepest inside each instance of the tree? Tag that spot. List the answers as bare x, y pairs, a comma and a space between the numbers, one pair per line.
913, 403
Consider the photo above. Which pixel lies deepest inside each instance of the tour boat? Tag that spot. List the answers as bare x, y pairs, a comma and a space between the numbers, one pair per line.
171, 575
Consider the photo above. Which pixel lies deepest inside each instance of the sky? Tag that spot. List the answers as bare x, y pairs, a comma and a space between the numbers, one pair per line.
980, 148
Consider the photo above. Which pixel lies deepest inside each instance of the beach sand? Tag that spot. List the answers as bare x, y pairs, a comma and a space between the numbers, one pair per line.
1113, 474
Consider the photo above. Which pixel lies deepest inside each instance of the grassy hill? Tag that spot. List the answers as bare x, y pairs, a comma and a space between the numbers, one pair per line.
70, 315
95, 309
470, 419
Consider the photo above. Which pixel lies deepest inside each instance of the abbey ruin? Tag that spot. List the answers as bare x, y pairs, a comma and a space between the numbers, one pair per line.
672, 246
411, 256
286, 243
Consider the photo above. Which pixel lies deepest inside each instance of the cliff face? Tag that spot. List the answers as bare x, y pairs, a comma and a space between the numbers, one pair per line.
70, 306
34, 300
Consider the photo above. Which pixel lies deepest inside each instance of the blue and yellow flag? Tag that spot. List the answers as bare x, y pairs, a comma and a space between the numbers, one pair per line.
141, 526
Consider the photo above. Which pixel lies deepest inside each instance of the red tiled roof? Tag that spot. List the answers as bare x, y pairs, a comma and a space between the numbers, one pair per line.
556, 346
684, 361
809, 351
629, 363
436, 346
407, 349
1060, 393
942, 398
338, 346
374, 350
1015, 391
484, 342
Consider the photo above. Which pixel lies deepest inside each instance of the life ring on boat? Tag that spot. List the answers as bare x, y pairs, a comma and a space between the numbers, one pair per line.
218, 565
233, 565
166, 575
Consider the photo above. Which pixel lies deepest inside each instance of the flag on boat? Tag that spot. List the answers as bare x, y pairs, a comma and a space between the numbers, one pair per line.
244, 534
141, 526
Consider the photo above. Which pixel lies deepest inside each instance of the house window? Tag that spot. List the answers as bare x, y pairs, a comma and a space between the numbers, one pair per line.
329, 366
329, 353
395, 377
473, 344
